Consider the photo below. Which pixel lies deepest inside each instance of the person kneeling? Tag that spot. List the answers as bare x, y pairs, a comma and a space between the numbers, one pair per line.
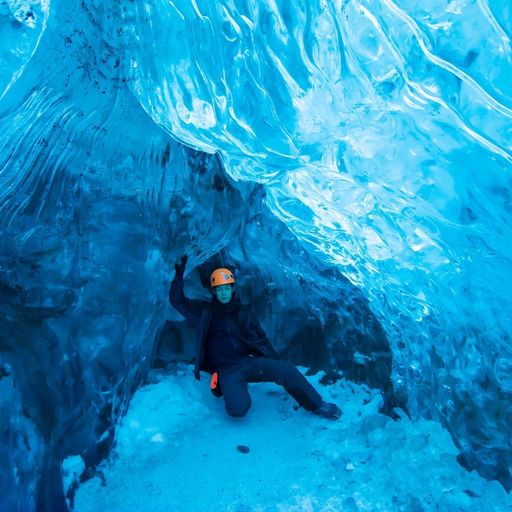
232, 345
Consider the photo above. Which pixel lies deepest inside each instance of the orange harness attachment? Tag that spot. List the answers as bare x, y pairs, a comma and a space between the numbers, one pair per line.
213, 382
215, 385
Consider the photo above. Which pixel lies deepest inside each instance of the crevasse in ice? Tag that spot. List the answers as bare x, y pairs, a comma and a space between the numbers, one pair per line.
371, 140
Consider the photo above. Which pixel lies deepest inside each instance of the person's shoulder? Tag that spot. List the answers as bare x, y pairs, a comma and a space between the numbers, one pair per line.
245, 311
245, 307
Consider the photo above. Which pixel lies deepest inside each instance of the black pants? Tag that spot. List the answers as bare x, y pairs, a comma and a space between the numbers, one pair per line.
233, 383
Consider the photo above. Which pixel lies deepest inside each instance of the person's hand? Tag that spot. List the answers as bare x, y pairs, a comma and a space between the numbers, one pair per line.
197, 375
180, 267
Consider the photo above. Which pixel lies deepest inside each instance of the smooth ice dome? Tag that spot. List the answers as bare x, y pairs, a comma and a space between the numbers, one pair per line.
350, 161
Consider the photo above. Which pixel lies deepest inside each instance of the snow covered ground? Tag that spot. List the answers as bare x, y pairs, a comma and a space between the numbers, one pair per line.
178, 450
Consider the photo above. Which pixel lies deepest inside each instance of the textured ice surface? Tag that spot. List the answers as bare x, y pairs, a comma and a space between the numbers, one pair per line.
382, 132
22, 23
379, 133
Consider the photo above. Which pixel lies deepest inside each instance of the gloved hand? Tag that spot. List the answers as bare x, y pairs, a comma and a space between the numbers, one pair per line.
180, 267
197, 375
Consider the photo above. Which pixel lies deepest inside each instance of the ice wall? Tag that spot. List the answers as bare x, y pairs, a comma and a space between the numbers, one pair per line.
382, 132
379, 133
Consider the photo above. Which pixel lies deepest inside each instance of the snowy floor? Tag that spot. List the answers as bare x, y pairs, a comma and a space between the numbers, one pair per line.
177, 450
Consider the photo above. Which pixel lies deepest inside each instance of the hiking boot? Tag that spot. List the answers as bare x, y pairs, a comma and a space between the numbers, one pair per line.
328, 410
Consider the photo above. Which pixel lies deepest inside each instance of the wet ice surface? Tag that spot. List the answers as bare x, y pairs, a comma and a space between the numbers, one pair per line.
178, 450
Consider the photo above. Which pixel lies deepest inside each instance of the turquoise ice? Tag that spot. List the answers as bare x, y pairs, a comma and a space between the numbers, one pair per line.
331, 148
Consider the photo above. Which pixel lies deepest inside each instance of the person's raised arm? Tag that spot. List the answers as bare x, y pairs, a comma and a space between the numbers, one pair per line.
190, 309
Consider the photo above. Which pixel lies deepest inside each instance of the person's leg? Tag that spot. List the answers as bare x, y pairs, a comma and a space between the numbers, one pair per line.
261, 369
234, 389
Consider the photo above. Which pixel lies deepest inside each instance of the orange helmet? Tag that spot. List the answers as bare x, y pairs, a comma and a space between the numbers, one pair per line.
221, 276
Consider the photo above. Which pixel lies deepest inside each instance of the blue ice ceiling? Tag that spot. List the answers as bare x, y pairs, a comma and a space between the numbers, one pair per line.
382, 133
371, 140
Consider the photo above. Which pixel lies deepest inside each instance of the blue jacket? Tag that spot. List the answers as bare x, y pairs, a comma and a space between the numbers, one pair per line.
199, 312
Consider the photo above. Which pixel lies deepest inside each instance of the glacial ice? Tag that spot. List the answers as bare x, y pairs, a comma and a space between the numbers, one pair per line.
361, 184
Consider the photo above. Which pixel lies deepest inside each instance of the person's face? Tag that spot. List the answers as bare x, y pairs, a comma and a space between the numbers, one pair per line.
223, 293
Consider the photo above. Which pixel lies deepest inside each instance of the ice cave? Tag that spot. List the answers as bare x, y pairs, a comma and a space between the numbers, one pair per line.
349, 161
